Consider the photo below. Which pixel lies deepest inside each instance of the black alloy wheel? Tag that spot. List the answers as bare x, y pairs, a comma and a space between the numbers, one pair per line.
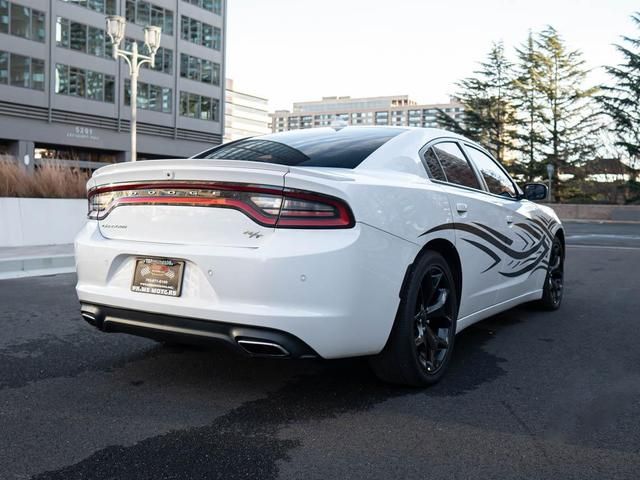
554, 281
420, 344
433, 320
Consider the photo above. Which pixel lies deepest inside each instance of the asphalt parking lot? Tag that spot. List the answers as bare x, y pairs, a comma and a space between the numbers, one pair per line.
530, 394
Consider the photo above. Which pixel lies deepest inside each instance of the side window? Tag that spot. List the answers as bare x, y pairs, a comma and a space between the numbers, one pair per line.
435, 169
455, 165
497, 181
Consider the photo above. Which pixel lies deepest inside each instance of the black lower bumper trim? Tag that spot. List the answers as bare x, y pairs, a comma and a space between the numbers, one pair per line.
191, 330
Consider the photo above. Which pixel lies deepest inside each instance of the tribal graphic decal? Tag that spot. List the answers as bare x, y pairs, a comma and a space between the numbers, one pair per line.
535, 237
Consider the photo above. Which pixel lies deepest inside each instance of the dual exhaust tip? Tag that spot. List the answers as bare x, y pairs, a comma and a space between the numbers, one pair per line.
263, 349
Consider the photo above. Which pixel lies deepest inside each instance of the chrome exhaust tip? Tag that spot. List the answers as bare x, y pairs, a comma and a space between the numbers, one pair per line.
263, 349
89, 317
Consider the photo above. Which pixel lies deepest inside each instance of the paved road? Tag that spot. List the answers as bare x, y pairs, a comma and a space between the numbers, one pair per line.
529, 395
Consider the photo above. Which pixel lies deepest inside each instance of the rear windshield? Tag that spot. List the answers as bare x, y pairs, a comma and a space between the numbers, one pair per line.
319, 147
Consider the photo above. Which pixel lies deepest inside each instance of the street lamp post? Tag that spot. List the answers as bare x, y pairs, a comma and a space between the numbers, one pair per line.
115, 29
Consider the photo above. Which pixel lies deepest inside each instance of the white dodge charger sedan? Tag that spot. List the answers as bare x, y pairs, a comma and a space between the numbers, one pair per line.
328, 242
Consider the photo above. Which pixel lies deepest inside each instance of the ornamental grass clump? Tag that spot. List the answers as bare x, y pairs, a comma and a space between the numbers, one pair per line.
49, 180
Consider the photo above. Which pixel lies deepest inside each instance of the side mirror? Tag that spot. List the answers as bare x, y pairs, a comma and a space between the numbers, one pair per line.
535, 191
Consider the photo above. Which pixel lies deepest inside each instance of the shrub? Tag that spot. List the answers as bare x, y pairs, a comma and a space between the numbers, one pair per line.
49, 180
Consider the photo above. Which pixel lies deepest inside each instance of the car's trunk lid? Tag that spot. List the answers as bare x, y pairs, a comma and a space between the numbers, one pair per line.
187, 201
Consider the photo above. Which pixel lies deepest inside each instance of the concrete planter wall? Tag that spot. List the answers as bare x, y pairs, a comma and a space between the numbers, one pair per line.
615, 213
54, 221
40, 221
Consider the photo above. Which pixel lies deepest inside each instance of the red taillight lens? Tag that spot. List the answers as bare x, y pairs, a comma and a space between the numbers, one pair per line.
302, 209
268, 206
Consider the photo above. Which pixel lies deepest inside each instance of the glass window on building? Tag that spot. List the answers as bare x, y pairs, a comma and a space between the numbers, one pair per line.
109, 88
164, 61
199, 106
164, 56
20, 21
77, 85
214, 6
208, 72
78, 37
150, 97
146, 13
4, 67
194, 106
200, 33
107, 7
62, 79
78, 82
199, 69
4, 16
96, 42
193, 71
82, 38
21, 71
143, 13
38, 28
205, 108
195, 31
95, 86
37, 74
62, 32
19, 68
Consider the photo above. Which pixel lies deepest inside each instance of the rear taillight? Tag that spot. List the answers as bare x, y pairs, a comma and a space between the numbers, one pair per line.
302, 209
268, 206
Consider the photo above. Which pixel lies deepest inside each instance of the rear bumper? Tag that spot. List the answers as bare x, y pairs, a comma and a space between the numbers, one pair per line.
258, 341
337, 291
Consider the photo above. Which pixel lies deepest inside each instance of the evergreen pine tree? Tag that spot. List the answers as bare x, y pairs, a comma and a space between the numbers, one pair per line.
569, 120
488, 114
528, 103
621, 101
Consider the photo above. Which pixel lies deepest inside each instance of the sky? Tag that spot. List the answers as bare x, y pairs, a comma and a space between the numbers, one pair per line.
301, 50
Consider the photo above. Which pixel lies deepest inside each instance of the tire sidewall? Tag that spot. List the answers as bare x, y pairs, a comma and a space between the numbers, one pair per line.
406, 315
547, 298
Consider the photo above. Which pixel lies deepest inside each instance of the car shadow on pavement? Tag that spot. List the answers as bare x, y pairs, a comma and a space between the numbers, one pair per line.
291, 392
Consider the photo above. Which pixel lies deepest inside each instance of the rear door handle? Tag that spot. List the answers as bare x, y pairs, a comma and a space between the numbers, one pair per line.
461, 207
509, 219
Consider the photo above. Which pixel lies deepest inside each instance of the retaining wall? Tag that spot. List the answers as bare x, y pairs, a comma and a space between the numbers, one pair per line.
40, 221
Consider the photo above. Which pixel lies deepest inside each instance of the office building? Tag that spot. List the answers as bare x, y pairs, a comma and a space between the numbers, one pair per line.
63, 96
245, 115
397, 110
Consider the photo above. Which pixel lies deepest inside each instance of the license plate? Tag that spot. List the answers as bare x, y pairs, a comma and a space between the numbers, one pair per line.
159, 276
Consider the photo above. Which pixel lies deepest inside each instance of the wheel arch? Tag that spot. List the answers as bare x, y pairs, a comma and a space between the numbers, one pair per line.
448, 250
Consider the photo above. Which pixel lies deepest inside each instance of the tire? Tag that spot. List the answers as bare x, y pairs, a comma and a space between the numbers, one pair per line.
415, 353
553, 289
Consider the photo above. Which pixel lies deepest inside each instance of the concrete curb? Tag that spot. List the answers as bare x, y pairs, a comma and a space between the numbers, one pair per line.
34, 266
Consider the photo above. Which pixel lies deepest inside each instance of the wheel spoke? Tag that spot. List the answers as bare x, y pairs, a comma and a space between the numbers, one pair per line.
436, 278
431, 339
431, 360
437, 309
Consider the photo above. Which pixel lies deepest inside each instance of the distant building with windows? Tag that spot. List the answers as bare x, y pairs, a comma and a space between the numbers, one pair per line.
63, 96
245, 115
391, 110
